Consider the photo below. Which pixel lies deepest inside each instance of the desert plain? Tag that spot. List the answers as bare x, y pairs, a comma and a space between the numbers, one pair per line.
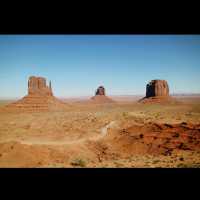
124, 133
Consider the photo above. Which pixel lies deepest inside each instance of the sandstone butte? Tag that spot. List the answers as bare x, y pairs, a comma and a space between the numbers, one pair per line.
39, 98
157, 91
100, 96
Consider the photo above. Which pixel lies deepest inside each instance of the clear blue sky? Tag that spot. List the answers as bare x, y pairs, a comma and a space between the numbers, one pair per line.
78, 64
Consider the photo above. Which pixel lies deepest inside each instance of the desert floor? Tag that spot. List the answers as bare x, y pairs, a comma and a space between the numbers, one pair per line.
124, 134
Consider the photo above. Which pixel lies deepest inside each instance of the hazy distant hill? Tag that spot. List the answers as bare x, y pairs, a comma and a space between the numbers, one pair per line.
186, 94
114, 97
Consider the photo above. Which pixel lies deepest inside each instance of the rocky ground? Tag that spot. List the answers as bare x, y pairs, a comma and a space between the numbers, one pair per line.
118, 134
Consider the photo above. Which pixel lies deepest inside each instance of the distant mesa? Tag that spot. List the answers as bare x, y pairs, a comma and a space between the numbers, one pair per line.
156, 91
100, 96
40, 97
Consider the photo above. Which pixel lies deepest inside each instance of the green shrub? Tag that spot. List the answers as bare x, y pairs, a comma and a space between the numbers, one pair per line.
79, 162
125, 114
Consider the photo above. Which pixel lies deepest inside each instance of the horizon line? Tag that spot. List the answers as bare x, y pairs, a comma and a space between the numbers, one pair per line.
114, 95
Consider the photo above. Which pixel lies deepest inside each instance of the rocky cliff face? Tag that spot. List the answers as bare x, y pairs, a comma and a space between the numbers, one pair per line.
157, 91
37, 86
100, 91
157, 88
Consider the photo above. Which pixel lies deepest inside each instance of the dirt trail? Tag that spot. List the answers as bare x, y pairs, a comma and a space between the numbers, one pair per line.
104, 130
37, 141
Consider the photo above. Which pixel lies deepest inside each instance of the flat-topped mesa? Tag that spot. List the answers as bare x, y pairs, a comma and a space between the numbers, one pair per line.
157, 88
100, 91
37, 86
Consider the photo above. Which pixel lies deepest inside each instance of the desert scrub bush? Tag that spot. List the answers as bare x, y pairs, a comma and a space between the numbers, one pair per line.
156, 115
118, 164
125, 114
182, 165
155, 161
79, 162
183, 146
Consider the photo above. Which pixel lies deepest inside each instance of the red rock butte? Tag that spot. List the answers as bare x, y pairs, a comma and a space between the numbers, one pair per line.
156, 91
40, 97
100, 91
100, 96
156, 88
37, 86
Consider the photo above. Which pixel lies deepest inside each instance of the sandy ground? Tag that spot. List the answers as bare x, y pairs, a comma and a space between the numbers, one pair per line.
91, 135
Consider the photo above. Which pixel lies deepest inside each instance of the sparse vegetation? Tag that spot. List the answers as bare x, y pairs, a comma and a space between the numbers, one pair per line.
156, 115
188, 165
155, 161
118, 164
125, 114
79, 162
80, 126
141, 136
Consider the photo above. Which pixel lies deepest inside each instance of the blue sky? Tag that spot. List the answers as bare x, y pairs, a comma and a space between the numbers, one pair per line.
78, 64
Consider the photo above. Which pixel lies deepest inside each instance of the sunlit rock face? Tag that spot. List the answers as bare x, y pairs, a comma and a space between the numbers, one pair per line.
37, 86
